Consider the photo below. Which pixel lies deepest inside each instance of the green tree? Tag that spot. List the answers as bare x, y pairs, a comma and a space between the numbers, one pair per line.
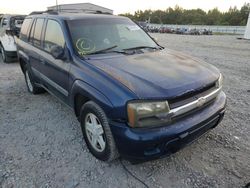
244, 12
178, 15
213, 17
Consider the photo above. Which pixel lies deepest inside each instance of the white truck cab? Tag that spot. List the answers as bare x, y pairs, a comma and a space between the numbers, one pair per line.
10, 26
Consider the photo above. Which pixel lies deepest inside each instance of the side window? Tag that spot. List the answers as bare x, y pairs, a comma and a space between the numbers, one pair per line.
38, 32
53, 35
24, 29
32, 32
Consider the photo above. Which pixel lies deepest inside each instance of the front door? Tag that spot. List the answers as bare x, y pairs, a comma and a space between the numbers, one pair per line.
55, 74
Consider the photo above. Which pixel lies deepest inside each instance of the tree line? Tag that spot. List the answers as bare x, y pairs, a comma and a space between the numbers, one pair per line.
178, 15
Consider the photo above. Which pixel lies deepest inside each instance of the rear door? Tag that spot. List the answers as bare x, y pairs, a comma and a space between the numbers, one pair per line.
55, 72
34, 49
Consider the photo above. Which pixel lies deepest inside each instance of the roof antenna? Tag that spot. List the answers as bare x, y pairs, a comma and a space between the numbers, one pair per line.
57, 6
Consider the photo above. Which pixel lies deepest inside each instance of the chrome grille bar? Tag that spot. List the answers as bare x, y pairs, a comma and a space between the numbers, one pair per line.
195, 104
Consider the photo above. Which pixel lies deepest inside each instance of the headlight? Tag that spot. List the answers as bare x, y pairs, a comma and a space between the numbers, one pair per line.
219, 82
145, 114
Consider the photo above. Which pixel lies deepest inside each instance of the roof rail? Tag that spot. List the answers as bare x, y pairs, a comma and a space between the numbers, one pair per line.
54, 12
44, 12
67, 10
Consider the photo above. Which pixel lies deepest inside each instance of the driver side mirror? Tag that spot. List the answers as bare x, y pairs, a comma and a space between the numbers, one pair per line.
57, 52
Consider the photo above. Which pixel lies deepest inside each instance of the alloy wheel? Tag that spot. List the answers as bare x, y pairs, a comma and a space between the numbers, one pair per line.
95, 132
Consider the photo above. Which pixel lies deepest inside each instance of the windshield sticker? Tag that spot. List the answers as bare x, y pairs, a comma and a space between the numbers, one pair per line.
85, 46
133, 28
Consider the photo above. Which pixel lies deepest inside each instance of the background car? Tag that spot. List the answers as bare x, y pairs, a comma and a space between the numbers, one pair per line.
207, 32
194, 32
165, 30
10, 26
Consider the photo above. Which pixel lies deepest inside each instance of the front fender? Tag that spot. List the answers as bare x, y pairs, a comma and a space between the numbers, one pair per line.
80, 87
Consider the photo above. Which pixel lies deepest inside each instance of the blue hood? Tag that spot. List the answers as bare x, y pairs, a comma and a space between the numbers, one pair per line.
162, 74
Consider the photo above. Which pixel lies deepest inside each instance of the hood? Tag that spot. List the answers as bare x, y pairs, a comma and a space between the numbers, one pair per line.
161, 74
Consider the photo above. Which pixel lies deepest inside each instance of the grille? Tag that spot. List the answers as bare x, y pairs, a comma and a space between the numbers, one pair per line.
190, 97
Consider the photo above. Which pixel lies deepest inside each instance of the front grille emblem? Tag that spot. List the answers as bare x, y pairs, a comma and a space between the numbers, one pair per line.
201, 101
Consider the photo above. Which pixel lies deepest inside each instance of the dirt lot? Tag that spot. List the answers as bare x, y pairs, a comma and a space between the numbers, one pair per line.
41, 142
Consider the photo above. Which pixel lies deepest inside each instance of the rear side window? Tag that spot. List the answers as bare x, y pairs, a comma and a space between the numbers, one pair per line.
38, 32
24, 30
53, 35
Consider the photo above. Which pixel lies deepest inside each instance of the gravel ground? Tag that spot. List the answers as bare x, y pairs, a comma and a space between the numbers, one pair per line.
41, 142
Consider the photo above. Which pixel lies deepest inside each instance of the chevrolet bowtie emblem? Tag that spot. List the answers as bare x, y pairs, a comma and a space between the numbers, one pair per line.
201, 101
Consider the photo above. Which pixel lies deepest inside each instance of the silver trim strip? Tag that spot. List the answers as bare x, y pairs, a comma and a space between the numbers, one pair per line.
195, 104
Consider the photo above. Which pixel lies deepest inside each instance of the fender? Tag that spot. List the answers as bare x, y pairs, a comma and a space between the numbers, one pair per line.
81, 87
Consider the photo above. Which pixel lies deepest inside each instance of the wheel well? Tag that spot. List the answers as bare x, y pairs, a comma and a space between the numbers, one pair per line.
79, 100
22, 64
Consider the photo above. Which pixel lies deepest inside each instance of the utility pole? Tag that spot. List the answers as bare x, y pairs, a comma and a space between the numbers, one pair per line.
57, 6
247, 31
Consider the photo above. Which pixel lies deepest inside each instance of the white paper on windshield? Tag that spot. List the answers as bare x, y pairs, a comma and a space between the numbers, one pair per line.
133, 27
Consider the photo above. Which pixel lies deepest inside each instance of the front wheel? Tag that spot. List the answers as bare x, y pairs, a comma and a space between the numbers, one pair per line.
97, 133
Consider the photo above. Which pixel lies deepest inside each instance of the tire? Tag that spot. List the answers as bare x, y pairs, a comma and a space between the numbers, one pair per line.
108, 152
5, 58
31, 86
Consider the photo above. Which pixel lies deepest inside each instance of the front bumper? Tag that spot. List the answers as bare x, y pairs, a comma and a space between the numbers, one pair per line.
151, 143
12, 54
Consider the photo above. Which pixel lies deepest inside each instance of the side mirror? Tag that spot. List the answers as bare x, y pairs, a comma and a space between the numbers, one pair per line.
57, 52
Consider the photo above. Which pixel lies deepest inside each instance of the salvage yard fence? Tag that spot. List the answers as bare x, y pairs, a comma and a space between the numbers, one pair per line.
239, 30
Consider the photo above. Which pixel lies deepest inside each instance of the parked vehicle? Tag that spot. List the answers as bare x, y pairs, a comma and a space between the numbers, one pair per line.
132, 97
207, 32
9, 28
180, 31
194, 32
153, 29
165, 30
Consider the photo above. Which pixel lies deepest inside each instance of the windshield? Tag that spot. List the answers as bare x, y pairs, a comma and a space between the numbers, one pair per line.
99, 34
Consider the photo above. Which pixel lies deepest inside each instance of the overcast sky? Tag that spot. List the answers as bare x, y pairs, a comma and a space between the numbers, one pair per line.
119, 6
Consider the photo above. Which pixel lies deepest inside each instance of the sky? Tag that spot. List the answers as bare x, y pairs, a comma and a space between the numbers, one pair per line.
119, 6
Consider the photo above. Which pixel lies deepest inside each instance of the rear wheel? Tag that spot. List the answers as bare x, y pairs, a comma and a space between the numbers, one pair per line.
97, 133
32, 88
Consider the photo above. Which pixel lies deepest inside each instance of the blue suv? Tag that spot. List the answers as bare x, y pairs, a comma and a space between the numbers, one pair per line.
132, 97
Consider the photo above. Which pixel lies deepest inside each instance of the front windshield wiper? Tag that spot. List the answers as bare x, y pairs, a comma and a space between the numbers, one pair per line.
109, 50
141, 47
103, 50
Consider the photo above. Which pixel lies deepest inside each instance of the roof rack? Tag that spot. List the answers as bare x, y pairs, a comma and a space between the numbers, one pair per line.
44, 12
54, 12
68, 10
